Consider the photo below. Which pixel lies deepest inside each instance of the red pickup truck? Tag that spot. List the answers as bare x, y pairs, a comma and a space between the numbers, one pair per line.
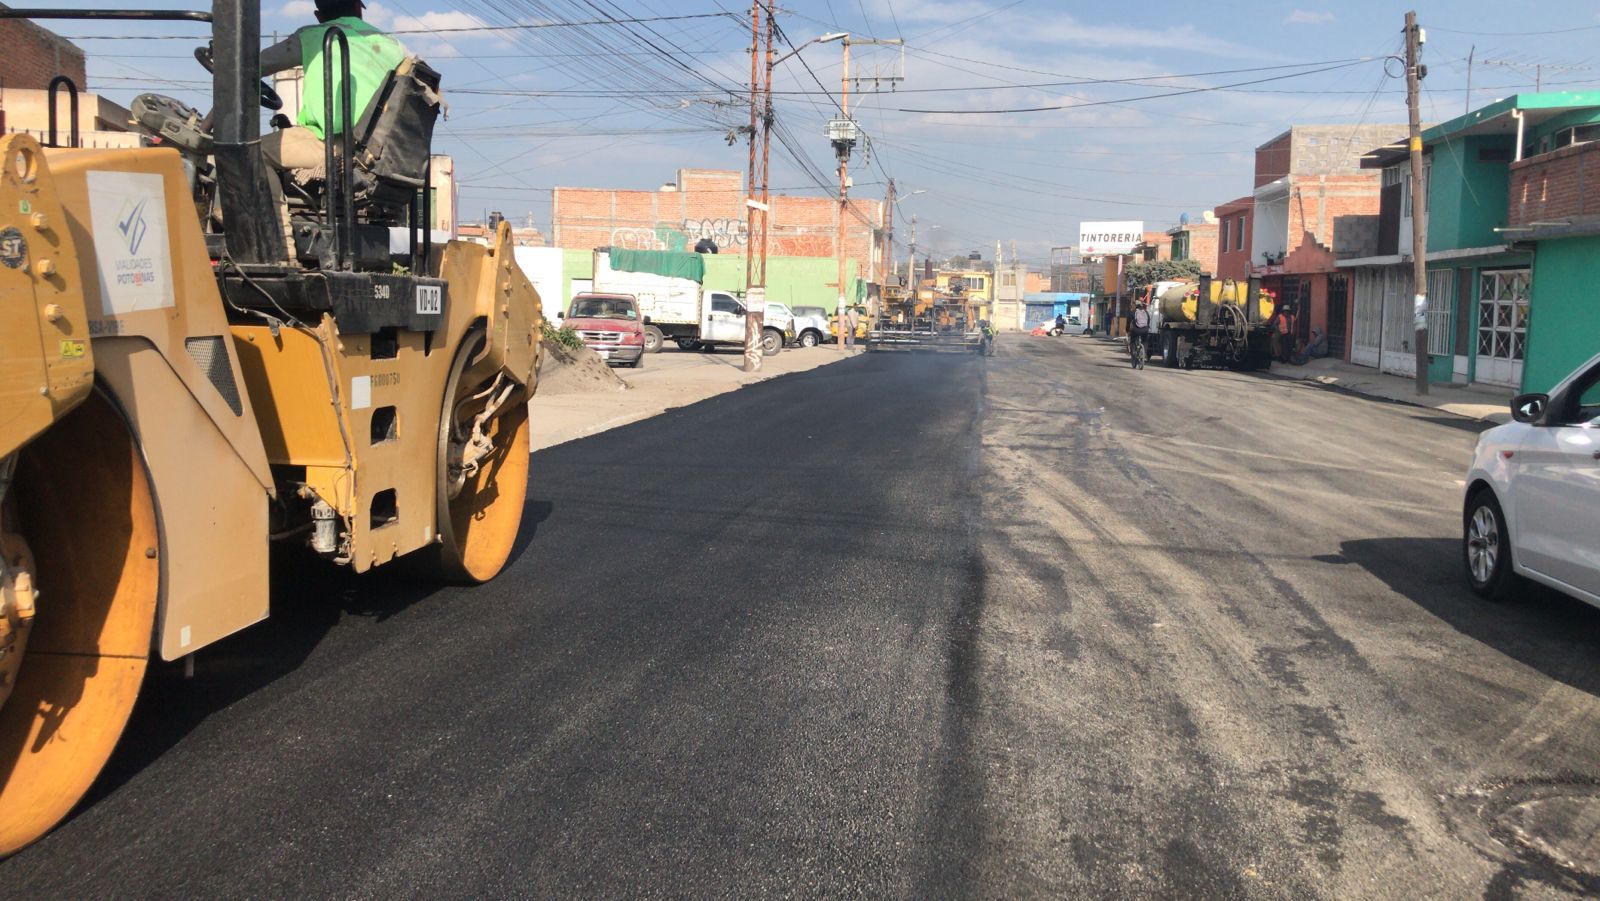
609, 325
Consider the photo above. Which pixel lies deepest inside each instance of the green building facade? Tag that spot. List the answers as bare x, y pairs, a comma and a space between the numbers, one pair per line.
1502, 313
796, 281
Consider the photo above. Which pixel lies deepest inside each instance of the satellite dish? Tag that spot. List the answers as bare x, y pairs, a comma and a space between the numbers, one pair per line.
1183, 219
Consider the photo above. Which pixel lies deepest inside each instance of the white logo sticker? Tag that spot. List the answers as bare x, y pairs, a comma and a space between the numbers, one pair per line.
430, 300
128, 217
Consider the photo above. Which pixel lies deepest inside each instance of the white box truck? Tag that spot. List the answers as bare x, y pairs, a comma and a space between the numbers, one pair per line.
680, 309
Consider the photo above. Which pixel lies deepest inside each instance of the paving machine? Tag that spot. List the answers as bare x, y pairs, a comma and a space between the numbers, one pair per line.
930, 319
201, 357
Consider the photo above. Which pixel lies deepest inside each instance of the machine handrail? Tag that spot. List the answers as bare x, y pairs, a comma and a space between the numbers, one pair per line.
341, 216
138, 15
56, 84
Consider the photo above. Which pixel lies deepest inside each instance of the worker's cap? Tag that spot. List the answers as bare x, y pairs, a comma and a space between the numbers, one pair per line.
338, 5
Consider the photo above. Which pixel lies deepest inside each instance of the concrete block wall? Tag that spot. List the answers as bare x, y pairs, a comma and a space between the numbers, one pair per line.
1336, 149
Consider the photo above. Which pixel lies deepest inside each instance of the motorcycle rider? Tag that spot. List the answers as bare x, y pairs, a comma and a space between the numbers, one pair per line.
1061, 323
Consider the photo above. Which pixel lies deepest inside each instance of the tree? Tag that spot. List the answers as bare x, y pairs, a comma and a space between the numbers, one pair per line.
1137, 275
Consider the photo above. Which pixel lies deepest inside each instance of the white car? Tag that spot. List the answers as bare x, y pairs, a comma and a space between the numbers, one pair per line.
1533, 494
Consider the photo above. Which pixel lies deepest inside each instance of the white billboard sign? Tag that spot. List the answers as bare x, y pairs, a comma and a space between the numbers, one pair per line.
1108, 238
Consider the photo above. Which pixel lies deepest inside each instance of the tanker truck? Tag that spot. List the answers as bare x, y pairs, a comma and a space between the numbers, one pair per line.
199, 361
1219, 324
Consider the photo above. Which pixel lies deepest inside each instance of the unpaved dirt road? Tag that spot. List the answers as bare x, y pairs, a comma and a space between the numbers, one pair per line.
919, 626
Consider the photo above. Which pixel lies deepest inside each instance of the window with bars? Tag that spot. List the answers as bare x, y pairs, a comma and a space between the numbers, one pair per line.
1503, 313
1441, 297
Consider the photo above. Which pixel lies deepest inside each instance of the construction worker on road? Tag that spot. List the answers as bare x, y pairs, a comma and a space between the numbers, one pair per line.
373, 55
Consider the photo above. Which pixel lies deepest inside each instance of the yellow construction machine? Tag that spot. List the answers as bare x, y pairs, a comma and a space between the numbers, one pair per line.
927, 318
201, 357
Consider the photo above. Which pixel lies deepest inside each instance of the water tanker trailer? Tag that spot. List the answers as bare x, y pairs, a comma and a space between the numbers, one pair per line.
1214, 323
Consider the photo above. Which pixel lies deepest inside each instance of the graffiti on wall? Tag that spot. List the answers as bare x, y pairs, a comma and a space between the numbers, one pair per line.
725, 231
631, 238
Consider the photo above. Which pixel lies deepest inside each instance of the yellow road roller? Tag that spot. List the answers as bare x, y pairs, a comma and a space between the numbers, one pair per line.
201, 356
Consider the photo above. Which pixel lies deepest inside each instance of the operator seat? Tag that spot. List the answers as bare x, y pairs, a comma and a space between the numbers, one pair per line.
394, 139
392, 145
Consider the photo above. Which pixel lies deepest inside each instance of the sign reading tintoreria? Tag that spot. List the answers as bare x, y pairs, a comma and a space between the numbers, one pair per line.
1109, 238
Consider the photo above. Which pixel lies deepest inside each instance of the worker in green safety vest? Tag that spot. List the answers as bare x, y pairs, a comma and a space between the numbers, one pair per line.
373, 55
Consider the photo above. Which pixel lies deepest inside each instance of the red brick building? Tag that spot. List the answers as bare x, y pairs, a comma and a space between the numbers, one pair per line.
1234, 220
1314, 205
709, 203
34, 55
1196, 241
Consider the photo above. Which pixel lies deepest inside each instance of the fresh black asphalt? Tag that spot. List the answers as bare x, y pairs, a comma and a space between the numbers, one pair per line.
910, 626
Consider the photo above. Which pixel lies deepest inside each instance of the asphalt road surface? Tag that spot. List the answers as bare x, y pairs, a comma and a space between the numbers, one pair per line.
1036, 625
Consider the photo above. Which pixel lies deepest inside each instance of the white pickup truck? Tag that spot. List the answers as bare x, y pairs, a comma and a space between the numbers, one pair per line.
682, 310
811, 326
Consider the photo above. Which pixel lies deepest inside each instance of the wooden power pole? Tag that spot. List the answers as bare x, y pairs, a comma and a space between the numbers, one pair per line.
1419, 200
842, 151
765, 209
755, 296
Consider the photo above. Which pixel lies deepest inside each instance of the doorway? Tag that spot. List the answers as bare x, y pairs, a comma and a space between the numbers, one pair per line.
1338, 314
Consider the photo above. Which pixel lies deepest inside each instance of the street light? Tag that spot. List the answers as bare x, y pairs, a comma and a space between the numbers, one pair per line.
830, 36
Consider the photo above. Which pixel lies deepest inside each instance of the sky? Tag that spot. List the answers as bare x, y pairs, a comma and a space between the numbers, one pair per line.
534, 103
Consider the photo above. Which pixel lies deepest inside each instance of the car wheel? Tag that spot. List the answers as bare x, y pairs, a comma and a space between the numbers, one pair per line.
809, 339
771, 342
653, 339
688, 344
1486, 548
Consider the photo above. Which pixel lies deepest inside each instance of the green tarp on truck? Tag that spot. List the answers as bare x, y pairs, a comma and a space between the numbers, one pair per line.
671, 263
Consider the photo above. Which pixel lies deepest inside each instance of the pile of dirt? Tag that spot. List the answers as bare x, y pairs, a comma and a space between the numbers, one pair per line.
563, 370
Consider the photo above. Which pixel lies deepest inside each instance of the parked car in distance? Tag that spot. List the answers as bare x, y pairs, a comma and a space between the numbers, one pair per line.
609, 325
1532, 506
811, 326
779, 316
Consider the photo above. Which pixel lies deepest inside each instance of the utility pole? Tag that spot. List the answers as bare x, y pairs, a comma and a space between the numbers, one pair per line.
1419, 199
843, 133
755, 297
842, 150
888, 236
766, 157
1471, 51
911, 266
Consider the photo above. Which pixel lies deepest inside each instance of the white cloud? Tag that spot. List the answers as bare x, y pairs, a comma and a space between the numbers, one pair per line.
434, 34
1309, 17
298, 9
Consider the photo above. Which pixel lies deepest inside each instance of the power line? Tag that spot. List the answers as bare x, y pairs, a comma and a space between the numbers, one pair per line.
517, 26
1517, 34
1182, 93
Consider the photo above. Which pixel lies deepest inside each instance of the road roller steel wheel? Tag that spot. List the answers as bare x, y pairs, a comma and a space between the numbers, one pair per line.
478, 526
81, 508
